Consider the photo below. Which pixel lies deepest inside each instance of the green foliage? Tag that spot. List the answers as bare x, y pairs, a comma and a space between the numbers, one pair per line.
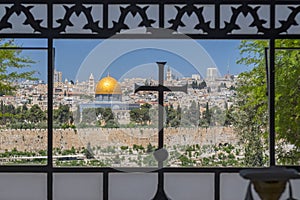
138, 147
71, 151
228, 116
42, 152
13, 67
217, 116
173, 116
22, 117
150, 148
111, 124
287, 99
88, 116
200, 86
251, 113
103, 117
17, 157
186, 162
205, 120
123, 148
62, 116
89, 154
141, 115
181, 155
108, 117
35, 114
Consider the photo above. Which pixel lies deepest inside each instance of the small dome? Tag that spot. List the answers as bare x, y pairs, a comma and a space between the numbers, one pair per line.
108, 85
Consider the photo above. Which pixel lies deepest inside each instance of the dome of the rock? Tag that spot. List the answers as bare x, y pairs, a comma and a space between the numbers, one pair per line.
108, 89
108, 85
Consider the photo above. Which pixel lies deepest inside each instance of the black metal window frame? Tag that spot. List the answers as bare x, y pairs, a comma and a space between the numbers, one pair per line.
50, 33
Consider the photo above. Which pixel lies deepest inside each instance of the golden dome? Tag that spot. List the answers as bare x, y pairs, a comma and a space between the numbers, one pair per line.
108, 85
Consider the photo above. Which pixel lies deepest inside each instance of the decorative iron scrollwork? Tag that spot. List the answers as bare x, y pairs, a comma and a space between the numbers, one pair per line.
189, 10
245, 10
26, 10
257, 22
207, 20
94, 25
133, 9
77, 9
290, 21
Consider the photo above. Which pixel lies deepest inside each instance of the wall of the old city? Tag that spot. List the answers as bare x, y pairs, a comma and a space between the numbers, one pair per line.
32, 140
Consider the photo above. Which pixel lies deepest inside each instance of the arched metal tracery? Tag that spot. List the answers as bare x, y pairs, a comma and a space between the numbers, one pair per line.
197, 19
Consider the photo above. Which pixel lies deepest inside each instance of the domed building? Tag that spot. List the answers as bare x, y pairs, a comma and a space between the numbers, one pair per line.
108, 89
108, 94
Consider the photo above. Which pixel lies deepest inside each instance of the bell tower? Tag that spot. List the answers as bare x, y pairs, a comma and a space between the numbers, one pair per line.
91, 85
169, 75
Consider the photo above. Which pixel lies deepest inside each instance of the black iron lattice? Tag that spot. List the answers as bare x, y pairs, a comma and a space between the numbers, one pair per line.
218, 27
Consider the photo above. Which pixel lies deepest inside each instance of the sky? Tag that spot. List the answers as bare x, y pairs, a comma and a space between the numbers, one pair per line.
77, 59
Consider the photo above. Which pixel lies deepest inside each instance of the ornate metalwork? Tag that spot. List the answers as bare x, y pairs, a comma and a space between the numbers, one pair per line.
77, 9
216, 28
133, 9
245, 10
189, 10
17, 9
290, 21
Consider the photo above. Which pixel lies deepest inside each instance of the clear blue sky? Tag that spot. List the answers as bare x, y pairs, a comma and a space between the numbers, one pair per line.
78, 58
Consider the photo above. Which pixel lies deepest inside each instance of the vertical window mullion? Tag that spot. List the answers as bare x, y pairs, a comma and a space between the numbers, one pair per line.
50, 103
271, 85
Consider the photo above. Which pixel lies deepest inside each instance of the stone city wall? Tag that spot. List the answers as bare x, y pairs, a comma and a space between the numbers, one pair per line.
33, 140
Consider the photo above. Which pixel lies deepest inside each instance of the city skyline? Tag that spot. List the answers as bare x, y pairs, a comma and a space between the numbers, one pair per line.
72, 55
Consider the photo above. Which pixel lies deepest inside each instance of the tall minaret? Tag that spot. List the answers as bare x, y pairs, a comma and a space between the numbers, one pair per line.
91, 85
169, 74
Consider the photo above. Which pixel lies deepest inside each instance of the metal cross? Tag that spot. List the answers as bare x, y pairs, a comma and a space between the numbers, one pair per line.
160, 88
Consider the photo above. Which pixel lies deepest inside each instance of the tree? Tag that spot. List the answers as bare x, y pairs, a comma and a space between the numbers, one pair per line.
217, 116
76, 115
150, 148
62, 115
107, 114
206, 116
141, 115
88, 152
24, 110
135, 116
250, 113
88, 115
111, 124
202, 85
251, 109
228, 116
167, 115
172, 116
35, 114
7, 114
195, 85
108, 117
153, 113
12, 67
178, 112
194, 114
146, 106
